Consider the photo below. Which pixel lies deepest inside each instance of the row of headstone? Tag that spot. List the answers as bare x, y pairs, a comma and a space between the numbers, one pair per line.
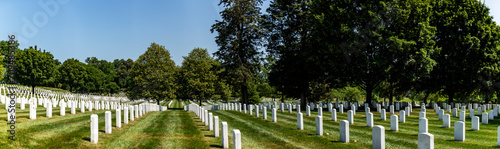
213, 124
138, 109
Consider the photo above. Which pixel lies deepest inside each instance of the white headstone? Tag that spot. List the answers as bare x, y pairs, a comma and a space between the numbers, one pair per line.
475, 123
236, 139
73, 107
300, 121
402, 116
484, 118
33, 107
274, 115
319, 125
216, 126
350, 117
459, 131
225, 139
344, 131
378, 137
131, 108
391, 109
423, 125
369, 119
394, 123
210, 121
94, 128
491, 115
118, 118
440, 113
49, 109
425, 141
334, 115
462, 116
125, 115
446, 121
264, 113
108, 121
382, 115
421, 115
498, 136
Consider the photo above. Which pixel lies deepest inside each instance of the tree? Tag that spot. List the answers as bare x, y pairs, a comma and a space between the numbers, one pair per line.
375, 40
122, 69
289, 28
93, 80
199, 78
73, 74
153, 75
108, 72
238, 38
9, 59
34, 67
464, 33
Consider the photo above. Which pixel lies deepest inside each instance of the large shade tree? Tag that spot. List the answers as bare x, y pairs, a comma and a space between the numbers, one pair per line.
369, 42
153, 75
465, 33
198, 75
239, 36
34, 67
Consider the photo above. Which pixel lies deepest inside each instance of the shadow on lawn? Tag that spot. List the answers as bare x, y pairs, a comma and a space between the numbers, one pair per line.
86, 139
216, 146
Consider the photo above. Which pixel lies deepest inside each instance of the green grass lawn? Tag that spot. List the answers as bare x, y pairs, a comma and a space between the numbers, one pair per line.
168, 129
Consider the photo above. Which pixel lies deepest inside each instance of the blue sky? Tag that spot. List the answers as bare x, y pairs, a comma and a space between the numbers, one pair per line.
118, 29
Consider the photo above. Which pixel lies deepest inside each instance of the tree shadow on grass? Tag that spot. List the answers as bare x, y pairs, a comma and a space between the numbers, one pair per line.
86, 139
216, 146
209, 135
102, 131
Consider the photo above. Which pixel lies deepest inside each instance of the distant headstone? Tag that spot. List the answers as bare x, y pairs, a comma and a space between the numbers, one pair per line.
484, 118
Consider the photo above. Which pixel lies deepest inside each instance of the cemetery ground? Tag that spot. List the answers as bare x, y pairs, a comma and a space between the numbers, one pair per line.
177, 128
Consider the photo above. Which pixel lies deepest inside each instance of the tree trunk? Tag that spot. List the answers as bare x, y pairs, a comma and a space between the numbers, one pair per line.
303, 100
157, 101
33, 89
244, 94
282, 98
369, 90
487, 98
200, 102
390, 95
426, 97
450, 97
